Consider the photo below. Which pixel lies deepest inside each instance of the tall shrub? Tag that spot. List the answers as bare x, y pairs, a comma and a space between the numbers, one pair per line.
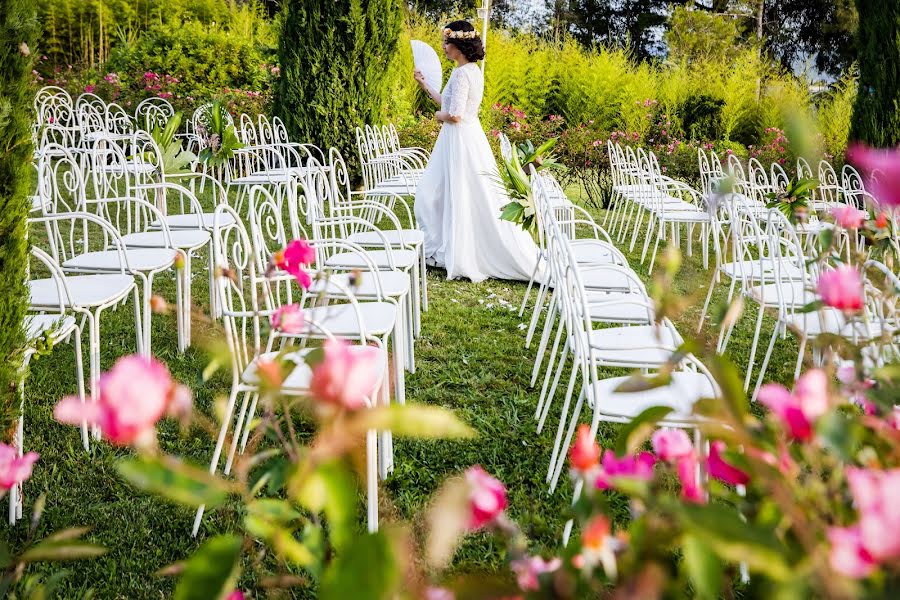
876, 115
18, 29
335, 59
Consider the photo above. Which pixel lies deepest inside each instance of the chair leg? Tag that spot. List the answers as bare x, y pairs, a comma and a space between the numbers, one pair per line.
765, 362
551, 393
79, 376
752, 360
220, 443
545, 337
536, 313
561, 457
372, 480
564, 415
236, 436
712, 285
530, 284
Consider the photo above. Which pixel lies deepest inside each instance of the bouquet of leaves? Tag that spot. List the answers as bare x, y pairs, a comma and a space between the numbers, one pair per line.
514, 178
221, 138
176, 159
793, 202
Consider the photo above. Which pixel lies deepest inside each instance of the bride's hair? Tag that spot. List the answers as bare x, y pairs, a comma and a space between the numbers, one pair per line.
462, 34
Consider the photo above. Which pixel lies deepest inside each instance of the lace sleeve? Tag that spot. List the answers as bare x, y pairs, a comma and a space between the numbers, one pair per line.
459, 94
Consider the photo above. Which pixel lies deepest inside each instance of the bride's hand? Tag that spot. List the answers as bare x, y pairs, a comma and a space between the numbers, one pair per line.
420, 79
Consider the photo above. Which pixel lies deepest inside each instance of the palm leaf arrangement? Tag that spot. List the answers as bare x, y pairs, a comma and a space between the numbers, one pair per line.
793, 202
176, 160
513, 175
221, 140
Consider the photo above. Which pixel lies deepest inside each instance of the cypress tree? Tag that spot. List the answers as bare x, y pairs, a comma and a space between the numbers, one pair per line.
876, 115
336, 56
18, 29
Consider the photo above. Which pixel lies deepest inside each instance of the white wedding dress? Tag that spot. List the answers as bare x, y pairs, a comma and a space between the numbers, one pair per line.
458, 201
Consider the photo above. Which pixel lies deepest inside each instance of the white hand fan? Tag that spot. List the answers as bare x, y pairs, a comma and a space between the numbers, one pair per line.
426, 60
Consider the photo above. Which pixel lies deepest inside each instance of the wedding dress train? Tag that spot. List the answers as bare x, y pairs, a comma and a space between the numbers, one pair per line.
458, 200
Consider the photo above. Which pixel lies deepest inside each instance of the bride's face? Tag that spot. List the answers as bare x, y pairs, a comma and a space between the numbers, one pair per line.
450, 50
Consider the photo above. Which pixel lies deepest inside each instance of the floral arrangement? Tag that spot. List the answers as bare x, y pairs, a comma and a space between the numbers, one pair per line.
793, 202
515, 177
220, 138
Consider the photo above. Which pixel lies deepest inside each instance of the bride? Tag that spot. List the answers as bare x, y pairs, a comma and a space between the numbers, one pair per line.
458, 202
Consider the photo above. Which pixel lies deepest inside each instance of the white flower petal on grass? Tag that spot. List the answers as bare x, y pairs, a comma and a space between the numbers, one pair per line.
522, 326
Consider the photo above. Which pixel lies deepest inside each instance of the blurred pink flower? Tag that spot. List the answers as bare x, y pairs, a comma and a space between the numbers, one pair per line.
346, 376
841, 288
672, 444
585, 453
89, 89
438, 593
882, 169
798, 411
297, 254
528, 569
876, 495
639, 467
132, 397
288, 318
487, 497
13, 468
690, 484
848, 217
721, 470
848, 556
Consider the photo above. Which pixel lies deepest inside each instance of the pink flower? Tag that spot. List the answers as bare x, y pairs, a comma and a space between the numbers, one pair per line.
13, 468
882, 168
876, 495
799, 410
687, 475
848, 556
721, 470
235, 595
133, 396
288, 319
841, 288
848, 217
487, 497
639, 467
585, 453
438, 593
293, 258
528, 569
89, 89
672, 444
346, 376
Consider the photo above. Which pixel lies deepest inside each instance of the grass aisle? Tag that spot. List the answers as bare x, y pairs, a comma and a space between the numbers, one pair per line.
470, 358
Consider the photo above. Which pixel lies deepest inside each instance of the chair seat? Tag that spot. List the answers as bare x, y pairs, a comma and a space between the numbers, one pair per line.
832, 321
606, 308
606, 280
86, 290
403, 259
632, 345
591, 251
36, 325
189, 221
755, 270
393, 236
340, 319
139, 259
686, 215
298, 380
682, 392
793, 294
184, 239
393, 284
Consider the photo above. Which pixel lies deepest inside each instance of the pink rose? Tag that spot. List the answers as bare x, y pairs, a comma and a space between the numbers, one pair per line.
848, 217
528, 569
487, 498
639, 467
690, 484
288, 319
672, 444
346, 375
798, 411
293, 258
13, 468
841, 288
132, 397
89, 89
585, 453
721, 470
882, 168
876, 495
848, 556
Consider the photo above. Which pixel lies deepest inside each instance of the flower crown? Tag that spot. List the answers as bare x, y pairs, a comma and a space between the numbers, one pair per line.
459, 35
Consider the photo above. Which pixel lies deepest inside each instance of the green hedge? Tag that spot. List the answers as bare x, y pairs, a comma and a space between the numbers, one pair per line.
876, 115
18, 29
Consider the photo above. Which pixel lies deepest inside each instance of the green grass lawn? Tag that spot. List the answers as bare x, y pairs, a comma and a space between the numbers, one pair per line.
470, 358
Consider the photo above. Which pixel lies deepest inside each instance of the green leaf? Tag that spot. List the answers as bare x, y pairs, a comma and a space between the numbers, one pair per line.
704, 568
810, 307
643, 383
212, 572
726, 375
51, 550
365, 570
841, 434
735, 540
416, 421
636, 432
331, 489
174, 480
